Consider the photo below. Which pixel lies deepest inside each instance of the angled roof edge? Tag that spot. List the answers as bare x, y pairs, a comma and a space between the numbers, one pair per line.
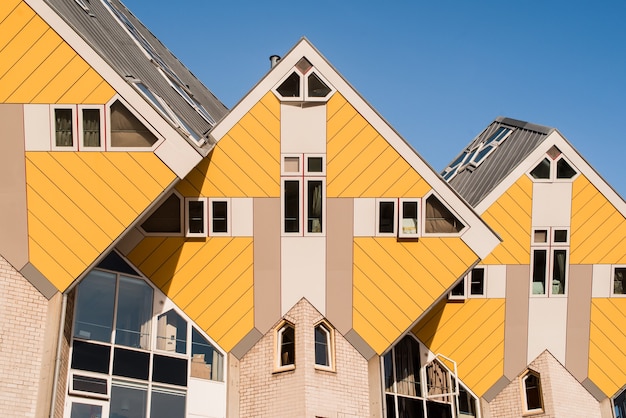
555, 138
480, 237
176, 152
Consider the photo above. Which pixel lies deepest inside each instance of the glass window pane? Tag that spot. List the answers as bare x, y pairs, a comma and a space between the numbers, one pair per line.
292, 165
287, 344
322, 346
560, 235
290, 87
91, 127
131, 363
166, 218
134, 310
171, 332
292, 206
541, 236
167, 404
439, 219
90, 384
90, 357
170, 370
128, 402
558, 272
386, 217
317, 88
619, 281
314, 165
314, 205
206, 361
407, 361
477, 285
409, 218
196, 216
542, 171
220, 216
533, 392
459, 289
539, 272
438, 409
411, 408
94, 307
564, 170
84, 410
63, 127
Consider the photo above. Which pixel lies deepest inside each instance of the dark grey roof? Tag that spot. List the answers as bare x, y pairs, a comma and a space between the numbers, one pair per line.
111, 40
475, 183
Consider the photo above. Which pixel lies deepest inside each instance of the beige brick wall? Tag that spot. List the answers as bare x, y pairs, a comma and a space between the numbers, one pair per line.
23, 315
305, 391
563, 395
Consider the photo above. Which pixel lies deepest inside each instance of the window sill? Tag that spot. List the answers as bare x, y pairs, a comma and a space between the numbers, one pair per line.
325, 369
532, 413
284, 369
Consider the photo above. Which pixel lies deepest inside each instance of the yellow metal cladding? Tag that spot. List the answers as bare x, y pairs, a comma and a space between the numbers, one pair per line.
598, 229
395, 282
360, 162
210, 279
78, 203
37, 66
476, 344
246, 161
607, 358
511, 217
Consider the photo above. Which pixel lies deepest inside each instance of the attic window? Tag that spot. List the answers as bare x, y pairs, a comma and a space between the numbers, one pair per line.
127, 130
553, 167
316, 87
166, 218
290, 87
439, 219
475, 156
542, 170
304, 83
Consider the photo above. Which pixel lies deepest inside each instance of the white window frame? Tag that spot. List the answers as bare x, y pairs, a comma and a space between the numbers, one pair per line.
453, 212
553, 162
103, 128
330, 347
228, 232
298, 173
401, 228
467, 286
550, 246
612, 281
525, 409
278, 332
87, 401
394, 221
75, 140
304, 84
187, 215
140, 118
76, 392
299, 98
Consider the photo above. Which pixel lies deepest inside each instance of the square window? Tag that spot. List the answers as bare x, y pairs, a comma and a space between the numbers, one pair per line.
560, 235
315, 165
291, 164
540, 236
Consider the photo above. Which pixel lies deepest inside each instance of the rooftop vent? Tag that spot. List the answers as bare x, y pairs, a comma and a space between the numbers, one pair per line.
274, 60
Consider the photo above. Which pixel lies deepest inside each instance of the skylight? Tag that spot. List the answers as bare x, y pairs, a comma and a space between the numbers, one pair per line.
477, 154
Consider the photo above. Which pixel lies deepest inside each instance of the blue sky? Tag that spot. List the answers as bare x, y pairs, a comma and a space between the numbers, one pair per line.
438, 71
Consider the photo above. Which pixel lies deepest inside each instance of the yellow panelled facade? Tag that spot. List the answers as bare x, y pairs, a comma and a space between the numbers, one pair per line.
395, 282
78, 203
472, 334
360, 162
37, 66
511, 217
607, 357
598, 228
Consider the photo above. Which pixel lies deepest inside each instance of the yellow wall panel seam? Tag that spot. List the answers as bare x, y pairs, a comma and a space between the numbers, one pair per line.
7, 7
142, 172
384, 326
49, 266
63, 81
337, 165
219, 327
610, 232
368, 332
14, 23
160, 254
83, 87
356, 174
238, 330
614, 378
261, 144
334, 105
170, 276
154, 167
144, 249
13, 53
598, 376
102, 93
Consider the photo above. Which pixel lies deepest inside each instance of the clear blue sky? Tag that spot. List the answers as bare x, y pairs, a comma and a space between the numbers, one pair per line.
438, 71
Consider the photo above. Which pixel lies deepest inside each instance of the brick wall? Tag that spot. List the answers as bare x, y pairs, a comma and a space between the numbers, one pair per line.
23, 314
563, 395
304, 391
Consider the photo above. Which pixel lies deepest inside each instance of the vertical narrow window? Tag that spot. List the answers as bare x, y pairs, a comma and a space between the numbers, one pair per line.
477, 282
323, 346
134, 310
196, 217
531, 385
292, 206
286, 346
539, 272
63, 127
95, 307
91, 128
171, 332
619, 281
206, 362
219, 217
458, 291
409, 216
314, 205
386, 217
558, 272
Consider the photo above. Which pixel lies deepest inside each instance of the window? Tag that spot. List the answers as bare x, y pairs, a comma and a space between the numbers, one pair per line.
91, 122
285, 347
195, 221
63, 127
219, 216
303, 186
114, 355
409, 216
439, 219
553, 167
619, 280
471, 286
324, 346
386, 217
619, 405
165, 219
531, 392
303, 84
126, 130
550, 250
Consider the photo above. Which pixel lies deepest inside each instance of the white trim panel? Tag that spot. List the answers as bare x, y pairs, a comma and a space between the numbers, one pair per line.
547, 327
365, 217
303, 272
37, 127
242, 214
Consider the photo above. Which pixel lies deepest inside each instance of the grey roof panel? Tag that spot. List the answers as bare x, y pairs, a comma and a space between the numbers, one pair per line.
111, 40
475, 183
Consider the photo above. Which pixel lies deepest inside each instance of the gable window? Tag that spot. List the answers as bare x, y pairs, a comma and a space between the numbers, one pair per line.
303, 186
323, 346
553, 167
196, 221
439, 219
285, 346
126, 130
550, 250
531, 392
165, 219
470, 286
304, 83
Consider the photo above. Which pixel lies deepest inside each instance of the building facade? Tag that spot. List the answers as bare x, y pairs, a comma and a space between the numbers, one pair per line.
163, 256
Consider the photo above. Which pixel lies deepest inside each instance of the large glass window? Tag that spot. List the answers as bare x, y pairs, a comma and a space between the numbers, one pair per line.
134, 311
303, 194
550, 249
94, 306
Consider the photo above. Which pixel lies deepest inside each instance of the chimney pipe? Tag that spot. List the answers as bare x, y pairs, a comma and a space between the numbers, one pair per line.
274, 60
